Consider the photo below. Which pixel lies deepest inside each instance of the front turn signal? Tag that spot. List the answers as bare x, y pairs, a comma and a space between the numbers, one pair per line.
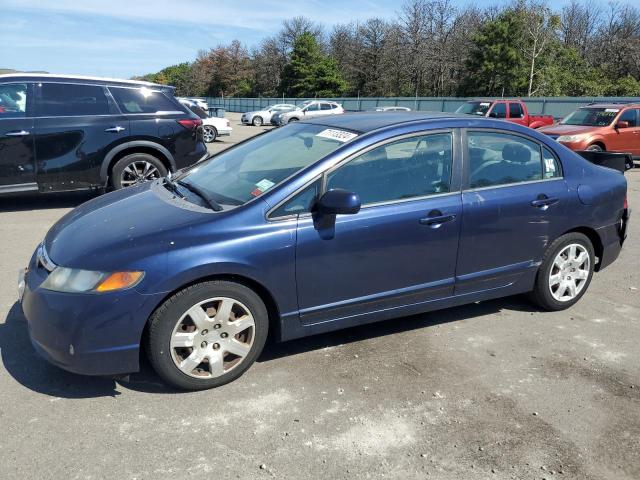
119, 280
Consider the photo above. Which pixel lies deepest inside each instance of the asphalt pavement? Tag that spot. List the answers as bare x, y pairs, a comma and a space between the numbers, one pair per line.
494, 390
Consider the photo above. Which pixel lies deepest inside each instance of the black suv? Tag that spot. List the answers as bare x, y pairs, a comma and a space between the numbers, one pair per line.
60, 133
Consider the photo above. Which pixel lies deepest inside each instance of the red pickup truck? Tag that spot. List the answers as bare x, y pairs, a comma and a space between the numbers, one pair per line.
510, 110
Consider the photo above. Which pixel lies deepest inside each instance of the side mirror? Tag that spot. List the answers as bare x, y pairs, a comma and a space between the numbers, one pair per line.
338, 202
622, 124
493, 115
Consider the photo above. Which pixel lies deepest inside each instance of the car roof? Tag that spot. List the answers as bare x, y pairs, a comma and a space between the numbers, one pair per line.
618, 106
364, 122
55, 76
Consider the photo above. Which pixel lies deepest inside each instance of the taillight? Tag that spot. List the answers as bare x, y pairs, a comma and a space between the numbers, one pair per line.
228, 123
190, 123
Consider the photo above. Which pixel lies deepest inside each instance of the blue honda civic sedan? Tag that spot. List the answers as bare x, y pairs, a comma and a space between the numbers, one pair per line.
323, 224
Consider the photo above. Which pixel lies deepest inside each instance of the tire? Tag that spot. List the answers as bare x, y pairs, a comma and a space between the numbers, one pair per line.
209, 134
628, 163
257, 121
595, 148
136, 168
293, 119
547, 289
176, 343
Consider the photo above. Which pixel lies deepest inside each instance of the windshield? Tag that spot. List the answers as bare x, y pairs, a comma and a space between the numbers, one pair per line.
474, 108
591, 117
247, 171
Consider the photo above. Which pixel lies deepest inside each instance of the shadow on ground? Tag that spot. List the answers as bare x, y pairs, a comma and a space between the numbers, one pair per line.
27, 368
34, 201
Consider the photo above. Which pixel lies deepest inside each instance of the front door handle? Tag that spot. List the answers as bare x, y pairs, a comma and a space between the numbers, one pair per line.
436, 218
17, 133
543, 202
116, 129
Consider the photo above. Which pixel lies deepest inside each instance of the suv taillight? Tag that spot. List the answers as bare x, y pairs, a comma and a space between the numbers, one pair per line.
190, 123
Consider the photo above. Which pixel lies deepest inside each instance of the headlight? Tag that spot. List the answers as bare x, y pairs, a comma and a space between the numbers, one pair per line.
72, 280
568, 138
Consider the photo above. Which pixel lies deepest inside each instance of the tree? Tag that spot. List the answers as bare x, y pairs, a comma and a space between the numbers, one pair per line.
310, 72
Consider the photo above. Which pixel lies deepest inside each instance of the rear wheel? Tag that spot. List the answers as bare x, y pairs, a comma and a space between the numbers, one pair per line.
207, 335
136, 168
209, 133
257, 121
565, 272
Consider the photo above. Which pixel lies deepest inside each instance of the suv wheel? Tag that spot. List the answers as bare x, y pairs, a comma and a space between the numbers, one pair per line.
257, 121
207, 335
136, 168
595, 148
565, 272
209, 133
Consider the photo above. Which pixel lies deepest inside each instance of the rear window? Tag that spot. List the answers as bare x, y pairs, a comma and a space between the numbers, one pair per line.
68, 99
143, 100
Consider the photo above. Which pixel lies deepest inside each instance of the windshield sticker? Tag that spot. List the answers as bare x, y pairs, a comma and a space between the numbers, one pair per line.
265, 184
612, 110
485, 104
550, 164
339, 135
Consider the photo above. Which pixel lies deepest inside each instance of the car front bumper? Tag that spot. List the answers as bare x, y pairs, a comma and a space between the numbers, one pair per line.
89, 334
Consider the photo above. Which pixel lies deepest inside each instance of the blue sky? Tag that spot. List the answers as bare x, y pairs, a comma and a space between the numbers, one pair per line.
121, 38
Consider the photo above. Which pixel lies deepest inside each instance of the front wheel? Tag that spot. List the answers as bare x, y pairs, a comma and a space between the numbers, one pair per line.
293, 119
595, 148
257, 121
565, 272
209, 134
207, 335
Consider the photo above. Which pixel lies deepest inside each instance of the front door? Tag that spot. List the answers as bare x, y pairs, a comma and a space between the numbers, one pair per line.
513, 205
400, 249
627, 140
17, 155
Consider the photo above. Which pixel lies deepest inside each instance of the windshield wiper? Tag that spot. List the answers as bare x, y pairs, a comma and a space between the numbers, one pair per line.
215, 206
172, 187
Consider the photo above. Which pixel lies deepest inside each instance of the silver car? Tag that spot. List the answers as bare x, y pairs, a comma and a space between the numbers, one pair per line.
261, 117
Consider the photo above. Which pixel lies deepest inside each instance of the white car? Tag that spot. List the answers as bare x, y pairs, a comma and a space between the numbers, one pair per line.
310, 109
212, 127
393, 109
260, 117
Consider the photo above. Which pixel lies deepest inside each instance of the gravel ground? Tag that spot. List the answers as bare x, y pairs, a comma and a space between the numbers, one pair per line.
495, 390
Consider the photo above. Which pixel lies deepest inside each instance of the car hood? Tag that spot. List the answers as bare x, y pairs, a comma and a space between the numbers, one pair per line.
567, 129
120, 229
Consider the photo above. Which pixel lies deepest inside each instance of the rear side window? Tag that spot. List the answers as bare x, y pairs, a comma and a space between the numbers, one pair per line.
68, 99
142, 100
13, 100
502, 159
515, 110
551, 166
325, 106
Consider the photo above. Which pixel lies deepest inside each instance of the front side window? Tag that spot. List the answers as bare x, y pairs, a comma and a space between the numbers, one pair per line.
499, 111
407, 168
142, 100
13, 100
501, 159
630, 116
246, 171
68, 99
313, 107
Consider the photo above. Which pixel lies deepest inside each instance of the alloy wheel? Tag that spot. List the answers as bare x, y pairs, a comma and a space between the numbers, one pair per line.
212, 337
569, 272
209, 134
138, 172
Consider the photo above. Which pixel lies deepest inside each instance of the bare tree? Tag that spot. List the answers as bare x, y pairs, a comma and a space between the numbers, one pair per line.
540, 28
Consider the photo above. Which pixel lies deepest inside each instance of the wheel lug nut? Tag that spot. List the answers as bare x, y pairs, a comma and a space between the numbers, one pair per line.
216, 346
217, 326
204, 332
224, 334
203, 344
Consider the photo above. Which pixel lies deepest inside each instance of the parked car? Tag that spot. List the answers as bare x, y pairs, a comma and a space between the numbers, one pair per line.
310, 109
73, 133
324, 224
392, 109
601, 127
511, 110
201, 102
260, 117
212, 127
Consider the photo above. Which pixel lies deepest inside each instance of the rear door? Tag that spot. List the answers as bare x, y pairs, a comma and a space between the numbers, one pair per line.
76, 125
514, 204
17, 153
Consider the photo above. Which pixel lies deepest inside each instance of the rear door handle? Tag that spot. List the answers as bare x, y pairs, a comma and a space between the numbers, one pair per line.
17, 133
436, 219
116, 129
543, 202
